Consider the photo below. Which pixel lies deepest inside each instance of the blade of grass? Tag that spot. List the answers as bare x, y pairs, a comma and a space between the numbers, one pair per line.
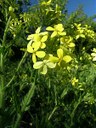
25, 104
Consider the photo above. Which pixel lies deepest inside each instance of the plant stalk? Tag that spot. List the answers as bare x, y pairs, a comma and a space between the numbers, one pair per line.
18, 67
25, 104
2, 82
17, 121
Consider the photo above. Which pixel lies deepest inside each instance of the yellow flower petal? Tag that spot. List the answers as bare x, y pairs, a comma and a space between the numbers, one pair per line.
38, 30
74, 81
46, 3
54, 34
62, 40
44, 38
62, 33
94, 59
67, 58
38, 65
30, 37
44, 33
77, 36
43, 45
93, 54
60, 53
36, 45
29, 49
82, 35
71, 45
50, 28
50, 64
59, 27
44, 71
36, 38
54, 59
34, 58
40, 54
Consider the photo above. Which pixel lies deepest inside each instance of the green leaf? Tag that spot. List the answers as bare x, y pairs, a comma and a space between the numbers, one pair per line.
27, 98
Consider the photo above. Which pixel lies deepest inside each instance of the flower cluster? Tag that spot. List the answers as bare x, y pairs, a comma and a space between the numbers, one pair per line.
84, 31
44, 58
54, 47
37, 44
15, 26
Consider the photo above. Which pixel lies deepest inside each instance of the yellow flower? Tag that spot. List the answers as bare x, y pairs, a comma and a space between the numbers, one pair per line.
46, 3
68, 40
78, 26
35, 52
58, 10
57, 30
74, 81
39, 38
43, 65
60, 57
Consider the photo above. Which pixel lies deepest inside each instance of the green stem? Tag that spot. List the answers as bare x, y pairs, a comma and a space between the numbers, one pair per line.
74, 110
17, 121
1, 89
5, 32
2, 82
55, 108
18, 67
25, 104
2, 70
